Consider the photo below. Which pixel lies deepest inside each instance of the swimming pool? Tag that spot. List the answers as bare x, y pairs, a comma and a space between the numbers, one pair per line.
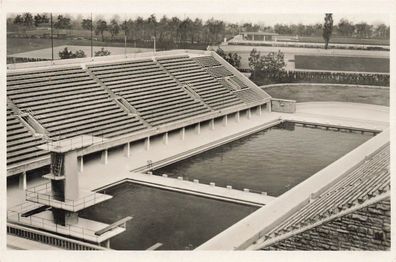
177, 220
273, 160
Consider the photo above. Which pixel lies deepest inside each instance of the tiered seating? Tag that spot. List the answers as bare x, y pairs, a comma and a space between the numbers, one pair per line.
67, 102
206, 61
370, 179
218, 71
186, 70
238, 82
150, 90
21, 142
249, 95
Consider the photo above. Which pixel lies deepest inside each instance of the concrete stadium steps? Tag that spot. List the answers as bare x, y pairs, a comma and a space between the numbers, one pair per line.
218, 71
237, 81
368, 180
206, 61
249, 95
186, 70
156, 96
21, 144
69, 103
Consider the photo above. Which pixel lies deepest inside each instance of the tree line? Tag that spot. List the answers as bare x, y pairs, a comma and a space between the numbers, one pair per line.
176, 30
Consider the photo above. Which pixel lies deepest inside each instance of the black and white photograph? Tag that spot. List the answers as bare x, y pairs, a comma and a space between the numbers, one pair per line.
190, 127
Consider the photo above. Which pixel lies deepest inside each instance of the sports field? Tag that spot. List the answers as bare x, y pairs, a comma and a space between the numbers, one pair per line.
316, 93
22, 45
342, 63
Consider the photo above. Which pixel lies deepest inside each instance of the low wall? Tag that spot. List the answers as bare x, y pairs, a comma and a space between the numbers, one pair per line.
283, 105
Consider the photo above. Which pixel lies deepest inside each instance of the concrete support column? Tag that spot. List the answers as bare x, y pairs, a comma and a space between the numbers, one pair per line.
249, 113
269, 109
182, 133
212, 124
107, 243
198, 128
259, 110
237, 117
105, 155
22, 181
147, 143
225, 120
81, 164
165, 138
127, 149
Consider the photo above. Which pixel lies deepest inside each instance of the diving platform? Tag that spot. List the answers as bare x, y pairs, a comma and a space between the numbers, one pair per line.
44, 195
70, 144
85, 229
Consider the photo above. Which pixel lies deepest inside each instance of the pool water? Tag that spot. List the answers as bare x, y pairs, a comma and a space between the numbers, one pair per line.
273, 160
177, 220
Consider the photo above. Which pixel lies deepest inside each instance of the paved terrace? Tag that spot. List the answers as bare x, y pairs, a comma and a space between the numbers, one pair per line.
99, 173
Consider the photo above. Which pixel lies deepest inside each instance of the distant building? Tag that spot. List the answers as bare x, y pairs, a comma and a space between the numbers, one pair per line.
259, 36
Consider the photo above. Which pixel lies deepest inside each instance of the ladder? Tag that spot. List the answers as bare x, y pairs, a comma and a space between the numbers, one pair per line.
57, 165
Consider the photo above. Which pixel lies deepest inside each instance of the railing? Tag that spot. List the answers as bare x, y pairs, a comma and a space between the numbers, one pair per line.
43, 194
47, 224
50, 239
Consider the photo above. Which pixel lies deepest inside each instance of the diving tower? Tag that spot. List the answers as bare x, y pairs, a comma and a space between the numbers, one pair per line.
55, 205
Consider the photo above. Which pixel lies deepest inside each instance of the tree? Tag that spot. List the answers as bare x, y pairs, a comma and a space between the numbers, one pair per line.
18, 20
86, 24
102, 52
270, 64
62, 22
233, 58
363, 30
345, 28
67, 54
101, 27
327, 29
40, 19
382, 31
28, 20
113, 28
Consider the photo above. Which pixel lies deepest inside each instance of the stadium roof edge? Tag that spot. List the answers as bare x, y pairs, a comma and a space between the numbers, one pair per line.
20, 67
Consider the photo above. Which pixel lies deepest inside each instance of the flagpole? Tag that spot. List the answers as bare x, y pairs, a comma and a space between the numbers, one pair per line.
52, 41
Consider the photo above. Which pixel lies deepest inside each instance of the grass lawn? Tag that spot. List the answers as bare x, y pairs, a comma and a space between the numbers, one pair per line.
19, 45
345, 40
308, 93
340, 63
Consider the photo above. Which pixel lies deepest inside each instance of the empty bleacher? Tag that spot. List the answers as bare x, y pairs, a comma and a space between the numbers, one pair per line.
206, 61
249, 95
156, 96
186, 70
218, 71
67, 102
368, 180
21, 143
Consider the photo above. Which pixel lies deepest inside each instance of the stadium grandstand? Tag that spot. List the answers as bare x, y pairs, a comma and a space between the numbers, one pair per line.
119, 101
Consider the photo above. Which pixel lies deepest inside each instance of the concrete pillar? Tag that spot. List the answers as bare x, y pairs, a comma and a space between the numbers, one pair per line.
105, 155
165, 138
237, 117
81, 164
225, 120
198, 128
269, 109
107, 243
22, 181
259, 110
147, 143
182, 133
127, 149
212, 124
249, 113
